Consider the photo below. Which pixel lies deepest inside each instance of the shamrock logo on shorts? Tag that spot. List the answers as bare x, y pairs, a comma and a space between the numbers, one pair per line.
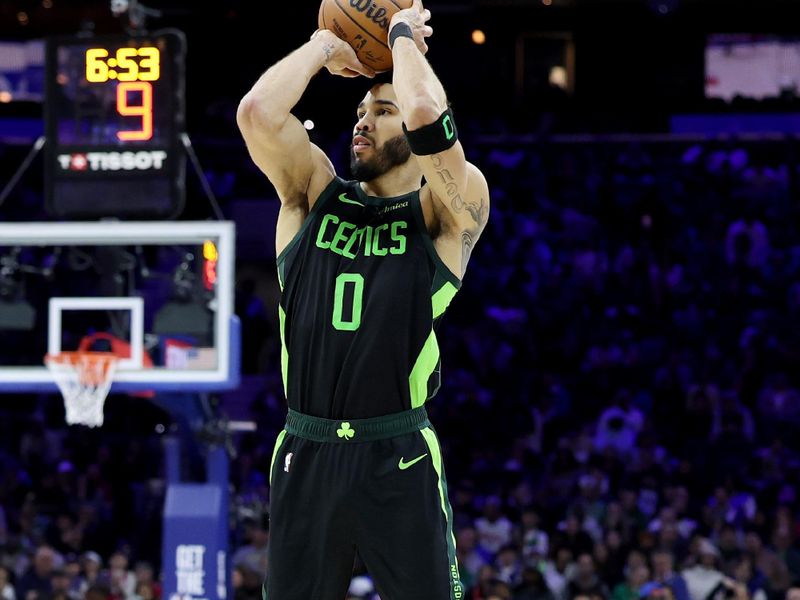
345, 431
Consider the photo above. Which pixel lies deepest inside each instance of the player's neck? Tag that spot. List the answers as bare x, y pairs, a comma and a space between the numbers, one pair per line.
398, 181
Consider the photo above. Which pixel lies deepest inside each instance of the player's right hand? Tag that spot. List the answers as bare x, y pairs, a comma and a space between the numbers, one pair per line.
340, 58
416, 17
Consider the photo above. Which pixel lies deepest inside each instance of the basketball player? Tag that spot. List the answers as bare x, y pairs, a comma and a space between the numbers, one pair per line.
367, 268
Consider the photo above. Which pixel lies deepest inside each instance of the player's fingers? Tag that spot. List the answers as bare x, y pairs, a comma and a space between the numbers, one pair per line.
426, 15
343, 72
418, 5
427, 31
362, 69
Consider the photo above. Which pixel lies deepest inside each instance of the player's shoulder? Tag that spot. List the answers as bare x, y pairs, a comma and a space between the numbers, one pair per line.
322, 177
476, 181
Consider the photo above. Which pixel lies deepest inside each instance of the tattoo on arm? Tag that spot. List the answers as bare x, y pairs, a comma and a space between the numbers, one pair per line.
477, 210
467, 242
328, 50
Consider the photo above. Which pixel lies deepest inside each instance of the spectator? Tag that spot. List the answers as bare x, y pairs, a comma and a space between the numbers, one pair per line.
535, 541
36, 583
559, 572
703, 577
123, 581
471, 556
585, 580
7, 591
508, 565
242, 582
254, 554
664, 574
572, 536
494, 529
484, 585
635, 578
145, 591
783, 541
97, 592
145, 576
618, 426
744, 574
532, 586
59, 584
92, 574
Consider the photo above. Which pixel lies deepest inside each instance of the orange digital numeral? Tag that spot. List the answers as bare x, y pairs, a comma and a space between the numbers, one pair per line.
143, 110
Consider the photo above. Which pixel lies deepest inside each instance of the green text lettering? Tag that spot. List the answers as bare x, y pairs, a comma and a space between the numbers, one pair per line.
328, 218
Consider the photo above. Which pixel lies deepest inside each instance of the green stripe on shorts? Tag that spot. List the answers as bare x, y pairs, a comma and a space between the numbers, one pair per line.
278, 444
456, 588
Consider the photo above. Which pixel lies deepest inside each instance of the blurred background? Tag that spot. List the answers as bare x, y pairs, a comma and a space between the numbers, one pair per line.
621, 370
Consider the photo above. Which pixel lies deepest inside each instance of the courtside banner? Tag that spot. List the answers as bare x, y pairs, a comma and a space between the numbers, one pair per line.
195, 543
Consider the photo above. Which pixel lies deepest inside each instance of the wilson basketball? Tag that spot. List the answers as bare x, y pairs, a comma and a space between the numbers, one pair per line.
364, 24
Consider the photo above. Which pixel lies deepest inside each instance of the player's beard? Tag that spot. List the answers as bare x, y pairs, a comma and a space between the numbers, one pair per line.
392, 153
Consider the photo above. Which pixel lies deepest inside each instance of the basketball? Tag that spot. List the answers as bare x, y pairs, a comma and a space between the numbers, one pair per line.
364, 24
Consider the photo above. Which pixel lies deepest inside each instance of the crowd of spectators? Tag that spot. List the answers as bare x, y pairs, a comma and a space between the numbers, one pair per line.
618, 411
619, 374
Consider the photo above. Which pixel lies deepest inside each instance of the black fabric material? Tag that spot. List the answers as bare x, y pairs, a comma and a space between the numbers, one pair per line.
368, 262
399, 30
333, 499
363, 430
437, 137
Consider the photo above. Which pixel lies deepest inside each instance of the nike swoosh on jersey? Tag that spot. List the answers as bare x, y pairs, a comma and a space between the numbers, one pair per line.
346, 200
402, 465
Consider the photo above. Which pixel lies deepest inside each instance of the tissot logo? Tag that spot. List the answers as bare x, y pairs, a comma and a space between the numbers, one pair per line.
152, 160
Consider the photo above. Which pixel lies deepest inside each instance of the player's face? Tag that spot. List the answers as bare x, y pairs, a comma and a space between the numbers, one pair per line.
378, 143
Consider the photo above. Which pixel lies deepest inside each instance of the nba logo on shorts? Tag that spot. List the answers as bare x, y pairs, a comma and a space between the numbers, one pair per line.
287, 462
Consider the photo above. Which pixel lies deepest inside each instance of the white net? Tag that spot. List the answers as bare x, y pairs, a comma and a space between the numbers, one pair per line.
84, 379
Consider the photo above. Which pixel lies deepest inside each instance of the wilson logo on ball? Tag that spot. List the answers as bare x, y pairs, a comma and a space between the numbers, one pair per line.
371, 10
364, 24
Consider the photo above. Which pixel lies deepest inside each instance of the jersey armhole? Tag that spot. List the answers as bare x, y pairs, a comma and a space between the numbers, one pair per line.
323, 198
441, 268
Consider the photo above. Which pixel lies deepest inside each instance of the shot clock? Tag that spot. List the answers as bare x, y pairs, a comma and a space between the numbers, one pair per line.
114, 116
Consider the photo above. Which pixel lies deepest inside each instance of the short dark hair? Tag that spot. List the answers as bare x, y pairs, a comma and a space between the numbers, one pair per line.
381, 78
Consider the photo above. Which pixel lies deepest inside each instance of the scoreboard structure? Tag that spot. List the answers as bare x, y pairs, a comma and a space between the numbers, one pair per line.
114, 117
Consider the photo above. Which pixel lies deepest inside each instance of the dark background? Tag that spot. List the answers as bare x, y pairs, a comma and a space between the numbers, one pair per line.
637, 61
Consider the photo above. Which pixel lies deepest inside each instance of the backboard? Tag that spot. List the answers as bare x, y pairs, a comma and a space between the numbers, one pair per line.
157, 294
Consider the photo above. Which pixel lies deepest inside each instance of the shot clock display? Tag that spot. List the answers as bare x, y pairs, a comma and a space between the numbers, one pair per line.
114, 117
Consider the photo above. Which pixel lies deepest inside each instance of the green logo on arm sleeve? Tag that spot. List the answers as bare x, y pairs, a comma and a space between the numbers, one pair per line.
449, 132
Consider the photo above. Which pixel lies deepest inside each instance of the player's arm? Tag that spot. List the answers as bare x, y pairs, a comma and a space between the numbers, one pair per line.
277, 141
457, 185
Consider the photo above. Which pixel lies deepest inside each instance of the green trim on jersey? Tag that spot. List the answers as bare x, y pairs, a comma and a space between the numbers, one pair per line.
278, 444
281, 275
428, 360
323, 198
284, 351
456, 588
442, 297
424, 367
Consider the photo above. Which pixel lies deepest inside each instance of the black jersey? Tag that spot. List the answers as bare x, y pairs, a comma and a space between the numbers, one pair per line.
362, 290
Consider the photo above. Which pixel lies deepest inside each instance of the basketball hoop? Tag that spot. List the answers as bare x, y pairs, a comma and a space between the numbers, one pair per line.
84, 379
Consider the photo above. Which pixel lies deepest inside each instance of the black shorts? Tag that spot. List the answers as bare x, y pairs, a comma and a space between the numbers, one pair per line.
376, 486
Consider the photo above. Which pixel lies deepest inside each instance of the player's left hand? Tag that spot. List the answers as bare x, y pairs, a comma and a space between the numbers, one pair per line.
415, 17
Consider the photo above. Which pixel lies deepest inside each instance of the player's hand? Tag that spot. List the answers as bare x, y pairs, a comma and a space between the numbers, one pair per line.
415, 17
340, 58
